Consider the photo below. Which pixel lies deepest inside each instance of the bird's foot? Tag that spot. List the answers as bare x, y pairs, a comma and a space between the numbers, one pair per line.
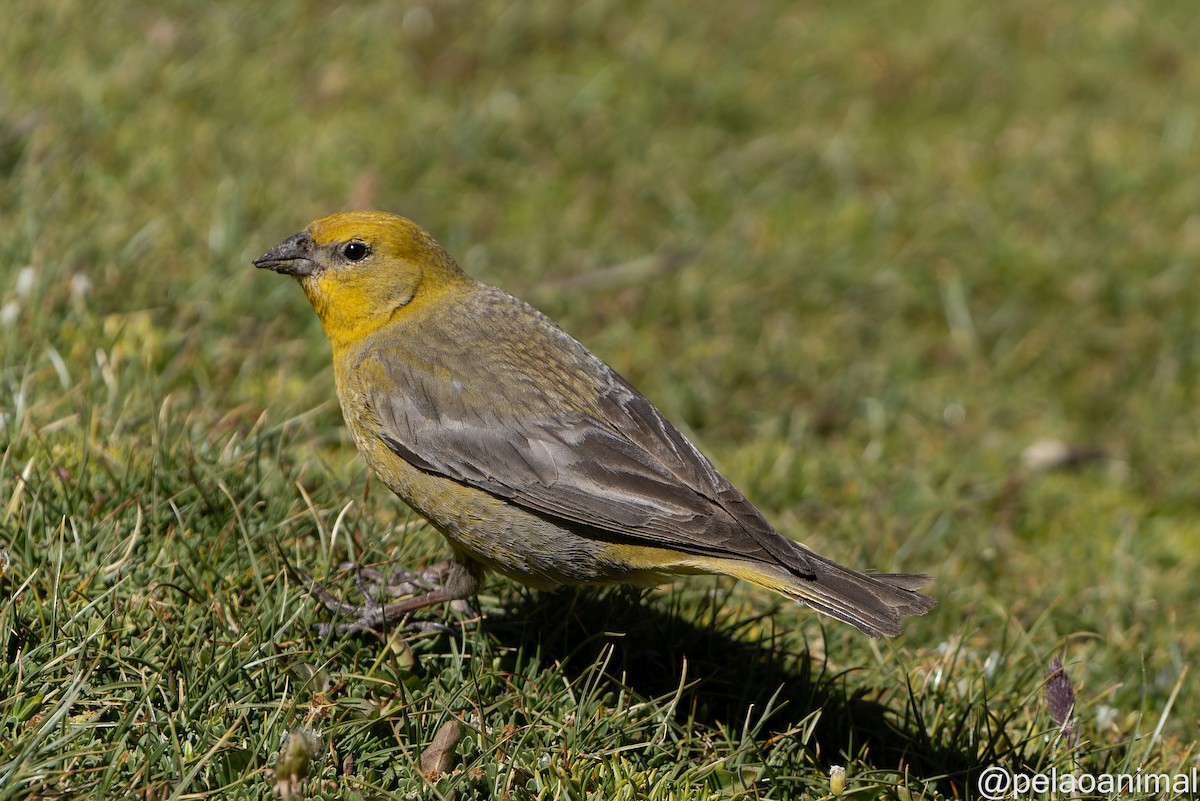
416, 590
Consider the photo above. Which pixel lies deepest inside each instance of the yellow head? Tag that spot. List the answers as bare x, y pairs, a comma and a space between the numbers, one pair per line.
361, 269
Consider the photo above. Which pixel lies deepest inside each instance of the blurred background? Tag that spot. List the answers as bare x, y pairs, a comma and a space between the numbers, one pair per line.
921, 279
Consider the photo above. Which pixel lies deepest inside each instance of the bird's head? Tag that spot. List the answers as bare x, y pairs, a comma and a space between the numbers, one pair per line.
363, 269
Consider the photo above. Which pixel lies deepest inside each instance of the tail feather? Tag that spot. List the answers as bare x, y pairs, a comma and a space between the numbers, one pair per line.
874, 603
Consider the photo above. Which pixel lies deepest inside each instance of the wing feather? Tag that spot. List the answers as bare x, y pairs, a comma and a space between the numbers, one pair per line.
597, 456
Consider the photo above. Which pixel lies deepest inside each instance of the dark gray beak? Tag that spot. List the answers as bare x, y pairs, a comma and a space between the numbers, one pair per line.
292, 256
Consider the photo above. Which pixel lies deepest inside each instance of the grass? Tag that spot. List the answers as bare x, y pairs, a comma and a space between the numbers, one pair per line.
864, 254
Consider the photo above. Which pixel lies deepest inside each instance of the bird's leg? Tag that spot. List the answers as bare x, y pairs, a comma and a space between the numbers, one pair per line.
373, 583
408, 582
450, 581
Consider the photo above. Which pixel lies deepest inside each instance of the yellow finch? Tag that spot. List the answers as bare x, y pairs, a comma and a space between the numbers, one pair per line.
530, 455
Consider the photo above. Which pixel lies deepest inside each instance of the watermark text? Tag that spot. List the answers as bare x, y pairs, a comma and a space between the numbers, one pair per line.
997, 783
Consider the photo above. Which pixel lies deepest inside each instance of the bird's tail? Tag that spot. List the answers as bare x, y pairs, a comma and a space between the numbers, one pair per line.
874, 602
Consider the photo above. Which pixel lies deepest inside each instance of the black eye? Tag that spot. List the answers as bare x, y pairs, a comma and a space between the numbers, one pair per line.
355, 251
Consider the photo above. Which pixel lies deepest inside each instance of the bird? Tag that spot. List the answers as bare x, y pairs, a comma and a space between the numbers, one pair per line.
528, 453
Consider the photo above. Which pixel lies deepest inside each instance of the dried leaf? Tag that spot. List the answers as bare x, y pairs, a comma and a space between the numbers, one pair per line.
1054, 454
439, 756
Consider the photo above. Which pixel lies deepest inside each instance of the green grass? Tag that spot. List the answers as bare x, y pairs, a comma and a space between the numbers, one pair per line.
865, 254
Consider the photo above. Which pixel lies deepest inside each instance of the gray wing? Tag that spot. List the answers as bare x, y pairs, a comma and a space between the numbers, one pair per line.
618, 470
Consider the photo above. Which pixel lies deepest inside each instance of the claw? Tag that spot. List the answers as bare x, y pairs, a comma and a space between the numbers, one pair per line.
372, 584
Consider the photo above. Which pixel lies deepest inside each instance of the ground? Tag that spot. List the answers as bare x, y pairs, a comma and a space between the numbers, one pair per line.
919, 279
